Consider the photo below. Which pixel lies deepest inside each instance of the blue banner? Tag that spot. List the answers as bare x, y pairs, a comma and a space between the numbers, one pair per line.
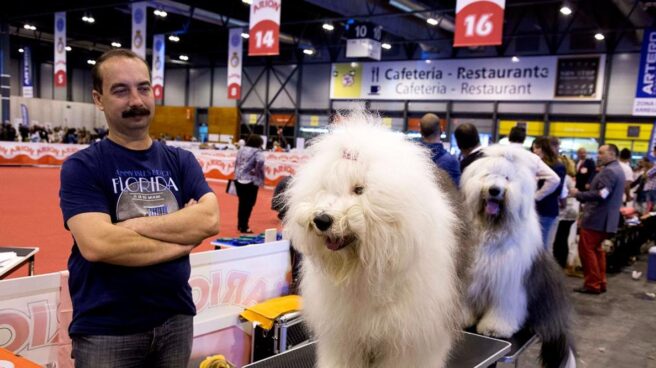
28, 89
645, 101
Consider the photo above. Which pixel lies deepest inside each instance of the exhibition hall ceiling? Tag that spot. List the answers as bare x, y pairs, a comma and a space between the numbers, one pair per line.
530, 28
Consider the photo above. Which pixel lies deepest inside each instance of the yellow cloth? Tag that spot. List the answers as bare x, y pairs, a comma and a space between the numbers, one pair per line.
266, 312
215, 361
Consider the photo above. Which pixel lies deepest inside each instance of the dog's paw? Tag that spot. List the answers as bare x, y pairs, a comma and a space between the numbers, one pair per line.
468, 317
495, 328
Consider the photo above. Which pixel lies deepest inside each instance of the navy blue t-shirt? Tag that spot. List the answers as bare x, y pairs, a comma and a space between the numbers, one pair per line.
123, 183
548, 206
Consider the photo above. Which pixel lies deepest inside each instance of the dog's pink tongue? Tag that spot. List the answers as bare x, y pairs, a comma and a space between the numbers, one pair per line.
335, 244
492, 208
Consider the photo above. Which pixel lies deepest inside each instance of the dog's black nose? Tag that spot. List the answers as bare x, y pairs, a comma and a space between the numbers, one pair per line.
494, 191
323, 221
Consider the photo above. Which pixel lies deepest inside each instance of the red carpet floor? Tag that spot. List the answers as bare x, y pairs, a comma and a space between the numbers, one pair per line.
30, 215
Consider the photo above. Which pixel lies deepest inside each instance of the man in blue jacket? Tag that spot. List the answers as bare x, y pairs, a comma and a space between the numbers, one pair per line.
601, 216
430, 137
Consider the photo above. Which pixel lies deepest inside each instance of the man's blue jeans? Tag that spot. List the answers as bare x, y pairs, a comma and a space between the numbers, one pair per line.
166, 346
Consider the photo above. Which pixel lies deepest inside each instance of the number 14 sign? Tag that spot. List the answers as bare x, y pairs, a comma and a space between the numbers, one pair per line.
479, 22
264, 28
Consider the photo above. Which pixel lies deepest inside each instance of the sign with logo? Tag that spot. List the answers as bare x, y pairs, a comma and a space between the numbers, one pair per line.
159, 59
364, 40
28, 84
479, 22
60, 49
139, 28
235, 48
644, 103
264, 28
493, 79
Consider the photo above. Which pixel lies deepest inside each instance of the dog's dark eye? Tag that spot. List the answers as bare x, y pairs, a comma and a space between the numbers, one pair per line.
358, 190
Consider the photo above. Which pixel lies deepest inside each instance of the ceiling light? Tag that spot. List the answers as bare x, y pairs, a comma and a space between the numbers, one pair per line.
91, 62
183, 57
249, 2
88, 19
386, 46
427, 61
328, 26
565, 10
599, 36
174, 38
514, 59
308, 51
29, 27
245, 35
21, 50
354, 64
432, 21
68, 48
116, 44
160, 13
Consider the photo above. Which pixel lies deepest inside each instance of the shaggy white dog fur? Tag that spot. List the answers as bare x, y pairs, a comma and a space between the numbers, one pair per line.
378, 234
515, 283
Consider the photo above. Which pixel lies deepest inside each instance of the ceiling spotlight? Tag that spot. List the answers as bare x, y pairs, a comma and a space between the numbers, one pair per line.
386, 46
565, 10
91, 62
599, 36
160, 13
29, 27
308, 51
249, 2
432, 21
514, 59
68, 48
21, 50
183, 57
116, 44
245, 35
328, 26
174, 38
88, 18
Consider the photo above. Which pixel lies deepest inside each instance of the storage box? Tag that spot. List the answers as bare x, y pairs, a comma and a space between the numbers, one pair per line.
287, 332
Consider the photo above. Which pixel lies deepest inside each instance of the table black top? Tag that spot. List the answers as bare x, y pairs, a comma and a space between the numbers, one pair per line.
20, 251
472, 351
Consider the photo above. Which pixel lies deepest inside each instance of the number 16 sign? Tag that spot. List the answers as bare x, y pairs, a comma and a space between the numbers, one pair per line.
479, 22
264, 27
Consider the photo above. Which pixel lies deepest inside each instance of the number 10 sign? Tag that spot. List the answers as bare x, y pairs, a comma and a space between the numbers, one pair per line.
264, 27
479, 22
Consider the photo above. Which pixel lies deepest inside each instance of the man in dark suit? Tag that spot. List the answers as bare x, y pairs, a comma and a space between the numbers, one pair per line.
585, 170
601, 216
469, 144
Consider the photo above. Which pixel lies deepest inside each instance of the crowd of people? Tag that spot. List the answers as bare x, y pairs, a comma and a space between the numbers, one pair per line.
47, 134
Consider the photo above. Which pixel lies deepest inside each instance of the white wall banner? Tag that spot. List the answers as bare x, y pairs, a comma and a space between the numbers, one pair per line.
60, 49
235, 48
139, 28
28, 81
264, 27
496, 79
159, 58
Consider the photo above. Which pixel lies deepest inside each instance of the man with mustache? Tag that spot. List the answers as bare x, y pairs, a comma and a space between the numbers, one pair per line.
136, 208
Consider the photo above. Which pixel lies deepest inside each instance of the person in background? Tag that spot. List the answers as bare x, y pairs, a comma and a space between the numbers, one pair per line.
585, 170
547, 207
203, 131
650, 187
542, 171
625, 164
638, 184
429, 126
249, 177
469, 144
136, 209
564, 248
601, 217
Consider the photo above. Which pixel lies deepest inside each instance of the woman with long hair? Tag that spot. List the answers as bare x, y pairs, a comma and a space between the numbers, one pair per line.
547, 207
249, 177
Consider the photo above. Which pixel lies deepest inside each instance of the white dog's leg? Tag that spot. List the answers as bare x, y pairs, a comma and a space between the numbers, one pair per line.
506, 314
435, 357
333, 355
468, 316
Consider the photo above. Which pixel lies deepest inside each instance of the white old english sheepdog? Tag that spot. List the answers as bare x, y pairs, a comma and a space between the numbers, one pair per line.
378, 231
514, 283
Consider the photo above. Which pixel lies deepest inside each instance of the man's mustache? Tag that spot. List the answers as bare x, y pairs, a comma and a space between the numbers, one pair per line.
135, 111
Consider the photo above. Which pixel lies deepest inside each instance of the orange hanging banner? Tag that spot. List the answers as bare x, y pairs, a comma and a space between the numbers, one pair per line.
479, 22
